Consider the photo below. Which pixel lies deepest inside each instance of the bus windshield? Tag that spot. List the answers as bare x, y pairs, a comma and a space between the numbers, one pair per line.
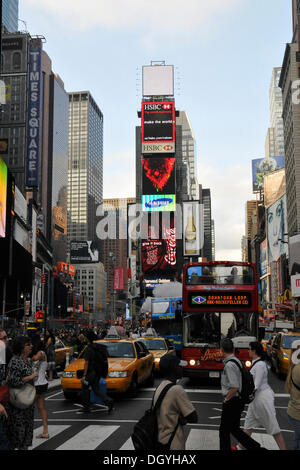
209, 328
160, 307
220, 274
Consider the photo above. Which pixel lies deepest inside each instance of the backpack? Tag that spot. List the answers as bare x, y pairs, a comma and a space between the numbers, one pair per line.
248, 387
145, 432
100, 361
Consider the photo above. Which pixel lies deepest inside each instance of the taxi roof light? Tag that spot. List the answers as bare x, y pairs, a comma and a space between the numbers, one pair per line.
112, 333
150, 332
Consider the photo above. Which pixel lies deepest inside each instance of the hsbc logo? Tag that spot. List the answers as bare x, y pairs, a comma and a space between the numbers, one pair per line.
157, 106
158, 148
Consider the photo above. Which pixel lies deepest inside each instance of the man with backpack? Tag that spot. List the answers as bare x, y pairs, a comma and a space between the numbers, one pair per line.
95, 367
234, 399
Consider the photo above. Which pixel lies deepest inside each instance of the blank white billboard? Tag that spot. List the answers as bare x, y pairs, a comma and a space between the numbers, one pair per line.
158, 80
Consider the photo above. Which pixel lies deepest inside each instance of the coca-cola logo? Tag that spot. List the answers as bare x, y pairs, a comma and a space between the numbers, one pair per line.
170, 256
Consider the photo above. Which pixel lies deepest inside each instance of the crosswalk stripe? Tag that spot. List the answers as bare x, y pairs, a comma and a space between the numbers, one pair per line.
89, 438
203, 439
128, 445
53, 431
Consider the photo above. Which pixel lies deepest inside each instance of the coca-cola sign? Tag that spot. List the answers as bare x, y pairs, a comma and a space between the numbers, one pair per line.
170, 256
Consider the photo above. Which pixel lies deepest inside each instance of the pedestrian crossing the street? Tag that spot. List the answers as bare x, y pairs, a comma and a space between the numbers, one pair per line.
94, 437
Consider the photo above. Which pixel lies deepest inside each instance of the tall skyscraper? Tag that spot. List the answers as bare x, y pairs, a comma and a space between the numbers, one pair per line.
276, 121
85, 174
205, 199
291, 120
10, 14
59, 183
189, 151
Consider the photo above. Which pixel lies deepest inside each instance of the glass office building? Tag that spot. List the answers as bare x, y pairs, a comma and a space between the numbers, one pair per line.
10, 14
85, 174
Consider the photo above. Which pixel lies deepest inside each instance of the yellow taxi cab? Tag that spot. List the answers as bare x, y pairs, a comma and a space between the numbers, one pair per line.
281, 351
267, 337
60, 352
157, 345
130, 364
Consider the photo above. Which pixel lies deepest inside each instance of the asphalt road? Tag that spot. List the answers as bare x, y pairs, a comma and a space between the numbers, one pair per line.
70, 429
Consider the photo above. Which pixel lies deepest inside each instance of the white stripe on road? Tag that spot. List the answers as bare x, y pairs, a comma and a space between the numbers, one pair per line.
128, 445
89, 438
52, 430
209, 440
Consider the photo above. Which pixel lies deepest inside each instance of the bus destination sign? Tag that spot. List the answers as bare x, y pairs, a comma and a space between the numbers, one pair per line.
220, 299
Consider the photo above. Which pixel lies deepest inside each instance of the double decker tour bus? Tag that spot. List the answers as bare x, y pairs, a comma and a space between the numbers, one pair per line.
219, 300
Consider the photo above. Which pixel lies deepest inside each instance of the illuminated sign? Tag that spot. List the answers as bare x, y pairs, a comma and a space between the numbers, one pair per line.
158, 175
158, 148
230, 299
34, 116
159, 203
158, 122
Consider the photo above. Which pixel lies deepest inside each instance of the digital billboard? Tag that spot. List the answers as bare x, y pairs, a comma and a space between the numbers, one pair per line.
159, 203
3, 197
158, 122
34, 114
263, 166
193, 228
217, 299
158, 80
277, 228
158, 175
84, 252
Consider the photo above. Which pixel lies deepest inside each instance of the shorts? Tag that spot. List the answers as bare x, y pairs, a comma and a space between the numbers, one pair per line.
51, 366
261, 413
41, 389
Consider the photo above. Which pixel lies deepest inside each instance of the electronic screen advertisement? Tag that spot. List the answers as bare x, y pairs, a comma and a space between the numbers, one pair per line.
263, 166
193, 228
84, 252
219, 299
3, 197
158, 121
158, 175
160, 255
159, 203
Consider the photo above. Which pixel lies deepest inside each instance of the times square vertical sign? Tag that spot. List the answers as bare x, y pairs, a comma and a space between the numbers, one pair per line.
34, 114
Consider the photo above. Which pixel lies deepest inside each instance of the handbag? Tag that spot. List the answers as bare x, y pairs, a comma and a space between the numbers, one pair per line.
4, 394
22, 397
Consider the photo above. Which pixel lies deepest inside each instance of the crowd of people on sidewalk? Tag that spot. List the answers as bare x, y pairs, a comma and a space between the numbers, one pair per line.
27, 365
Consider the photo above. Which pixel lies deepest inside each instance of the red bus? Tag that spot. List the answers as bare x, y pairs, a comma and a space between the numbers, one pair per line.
219, 300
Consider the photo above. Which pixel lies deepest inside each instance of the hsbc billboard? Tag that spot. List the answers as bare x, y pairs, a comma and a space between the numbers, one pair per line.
158, 127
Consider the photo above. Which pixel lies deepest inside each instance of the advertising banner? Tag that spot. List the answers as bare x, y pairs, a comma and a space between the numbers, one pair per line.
263, 166
263, 258
277, 228
158, 175
3, 197
274, 187
158, 80
158, 122
193, 228
294, 255
159, 203
34, 114
153, 149
295, 284
84, 252
118, 279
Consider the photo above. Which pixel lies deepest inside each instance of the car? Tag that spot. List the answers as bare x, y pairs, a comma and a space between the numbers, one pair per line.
281, 351
158, 346
60, 353
130, 364
267, 337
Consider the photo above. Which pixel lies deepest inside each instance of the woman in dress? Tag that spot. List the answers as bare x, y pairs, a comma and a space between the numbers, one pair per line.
261, 411
19, 423
41, 385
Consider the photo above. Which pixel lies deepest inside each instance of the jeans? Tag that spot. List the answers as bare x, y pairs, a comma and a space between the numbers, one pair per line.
230, 424
296, 425
92, 380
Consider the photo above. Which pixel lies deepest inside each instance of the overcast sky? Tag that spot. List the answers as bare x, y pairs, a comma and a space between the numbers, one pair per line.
223, 51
